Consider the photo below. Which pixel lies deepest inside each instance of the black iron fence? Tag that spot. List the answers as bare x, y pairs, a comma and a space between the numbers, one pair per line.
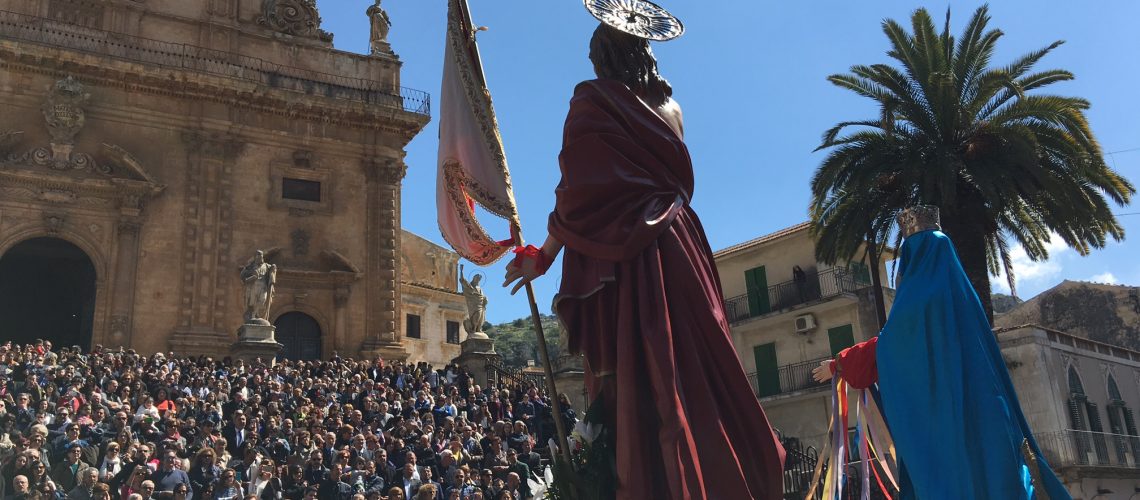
54, 33
793, 377
799, 467
504, 374
1071, 448
812, 287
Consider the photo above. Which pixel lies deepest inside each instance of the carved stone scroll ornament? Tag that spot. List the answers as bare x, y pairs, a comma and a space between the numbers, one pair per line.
63, 110
293, 17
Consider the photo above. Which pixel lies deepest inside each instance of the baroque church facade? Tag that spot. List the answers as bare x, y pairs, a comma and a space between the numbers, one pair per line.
148, 148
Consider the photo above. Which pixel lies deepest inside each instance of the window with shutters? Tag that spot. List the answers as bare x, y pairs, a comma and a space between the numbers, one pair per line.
756, 282
840, 338
1122, 425
1077, 420
767, 371
860, 271
452, 332
412, 326
1097, 431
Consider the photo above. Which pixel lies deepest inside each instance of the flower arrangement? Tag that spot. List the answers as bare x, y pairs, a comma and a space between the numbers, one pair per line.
592, 471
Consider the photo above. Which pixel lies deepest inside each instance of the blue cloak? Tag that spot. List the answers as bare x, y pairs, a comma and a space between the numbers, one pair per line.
946, 394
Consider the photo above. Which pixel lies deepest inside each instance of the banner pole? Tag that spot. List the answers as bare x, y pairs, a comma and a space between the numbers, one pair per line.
551, 388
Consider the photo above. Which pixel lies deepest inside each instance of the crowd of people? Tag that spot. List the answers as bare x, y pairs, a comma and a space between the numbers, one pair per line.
117, 425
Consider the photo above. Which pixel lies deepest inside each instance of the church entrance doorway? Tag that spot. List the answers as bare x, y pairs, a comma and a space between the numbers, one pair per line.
47, 291
301, 335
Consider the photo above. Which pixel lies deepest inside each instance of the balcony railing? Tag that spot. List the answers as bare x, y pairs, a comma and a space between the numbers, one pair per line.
794, 377
1084, 448
53, 33
814, 286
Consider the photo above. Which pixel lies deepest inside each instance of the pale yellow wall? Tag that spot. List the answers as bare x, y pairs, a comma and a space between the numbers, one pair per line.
792, 347
778, 256
435, 308
430, 276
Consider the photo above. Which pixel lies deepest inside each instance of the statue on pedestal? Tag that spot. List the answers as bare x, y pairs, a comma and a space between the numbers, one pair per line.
378, 37
476, 304
258, 277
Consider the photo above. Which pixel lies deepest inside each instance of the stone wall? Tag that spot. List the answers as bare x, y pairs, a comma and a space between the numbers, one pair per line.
196, 153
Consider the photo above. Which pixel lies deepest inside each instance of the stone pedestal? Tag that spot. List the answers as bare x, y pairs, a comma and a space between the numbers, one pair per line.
570, 378
192, 341
474, 355
387, 352
256, 341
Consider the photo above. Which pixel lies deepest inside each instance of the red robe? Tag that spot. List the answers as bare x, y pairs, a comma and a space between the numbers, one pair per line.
857, 365
641, 299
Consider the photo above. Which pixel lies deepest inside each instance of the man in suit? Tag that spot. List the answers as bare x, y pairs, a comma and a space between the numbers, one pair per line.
334, 486
408, 479
235, 433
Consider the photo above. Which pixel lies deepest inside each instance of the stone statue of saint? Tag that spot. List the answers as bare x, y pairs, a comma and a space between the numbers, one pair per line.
476, 303
378, 38
258, 278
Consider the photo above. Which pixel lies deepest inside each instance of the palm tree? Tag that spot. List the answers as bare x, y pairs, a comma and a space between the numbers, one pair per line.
1002, 164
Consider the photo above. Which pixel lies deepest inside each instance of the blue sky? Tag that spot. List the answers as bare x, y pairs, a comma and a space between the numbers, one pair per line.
751, 77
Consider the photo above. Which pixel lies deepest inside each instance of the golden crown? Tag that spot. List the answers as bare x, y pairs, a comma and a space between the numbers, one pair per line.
919, 218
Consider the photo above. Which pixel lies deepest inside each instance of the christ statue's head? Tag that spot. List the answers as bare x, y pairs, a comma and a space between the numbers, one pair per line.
628, 59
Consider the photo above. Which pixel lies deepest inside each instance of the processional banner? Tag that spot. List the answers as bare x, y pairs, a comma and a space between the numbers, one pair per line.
472, 166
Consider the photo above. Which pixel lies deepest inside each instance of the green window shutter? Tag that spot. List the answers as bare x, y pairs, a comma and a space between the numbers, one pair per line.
860, 271
756, 281
841, 337
1098, 431
767, 371
1130, 426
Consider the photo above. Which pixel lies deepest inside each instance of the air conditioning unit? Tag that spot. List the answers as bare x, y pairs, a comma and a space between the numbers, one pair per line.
805, 323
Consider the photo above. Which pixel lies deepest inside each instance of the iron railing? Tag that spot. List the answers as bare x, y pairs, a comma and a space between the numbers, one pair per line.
1085, 448
38, 30
793, 377
799, 467
511, 377
812, 287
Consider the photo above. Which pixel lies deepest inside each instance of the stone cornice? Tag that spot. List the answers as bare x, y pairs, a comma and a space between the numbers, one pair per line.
431, 288
64, 189
138, 78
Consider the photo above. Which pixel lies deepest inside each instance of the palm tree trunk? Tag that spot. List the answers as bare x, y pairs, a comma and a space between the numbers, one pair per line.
971, 247
876, 280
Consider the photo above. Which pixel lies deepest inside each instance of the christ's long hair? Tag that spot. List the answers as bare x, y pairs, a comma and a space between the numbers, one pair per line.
628, 59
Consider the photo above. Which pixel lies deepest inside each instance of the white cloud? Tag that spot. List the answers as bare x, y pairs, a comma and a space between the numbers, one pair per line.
1105, 277
1027, 271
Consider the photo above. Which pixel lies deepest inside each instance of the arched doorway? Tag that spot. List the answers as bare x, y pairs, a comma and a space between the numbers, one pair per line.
301, 335
47, 291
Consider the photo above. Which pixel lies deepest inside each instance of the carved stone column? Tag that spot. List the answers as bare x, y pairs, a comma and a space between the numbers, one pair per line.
123, 292
340, 316
382, 270
207, 220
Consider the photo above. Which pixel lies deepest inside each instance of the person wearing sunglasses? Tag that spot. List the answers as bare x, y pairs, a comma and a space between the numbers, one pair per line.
228, 488
169, 475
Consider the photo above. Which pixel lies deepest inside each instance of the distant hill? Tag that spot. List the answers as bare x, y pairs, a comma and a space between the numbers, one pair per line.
517, 343
1004, 303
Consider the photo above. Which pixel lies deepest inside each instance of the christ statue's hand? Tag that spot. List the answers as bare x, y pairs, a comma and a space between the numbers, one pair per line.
822, 373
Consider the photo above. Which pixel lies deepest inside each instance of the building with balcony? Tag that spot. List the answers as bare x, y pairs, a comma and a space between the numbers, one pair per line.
148, 149
787, 313
1079, 397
